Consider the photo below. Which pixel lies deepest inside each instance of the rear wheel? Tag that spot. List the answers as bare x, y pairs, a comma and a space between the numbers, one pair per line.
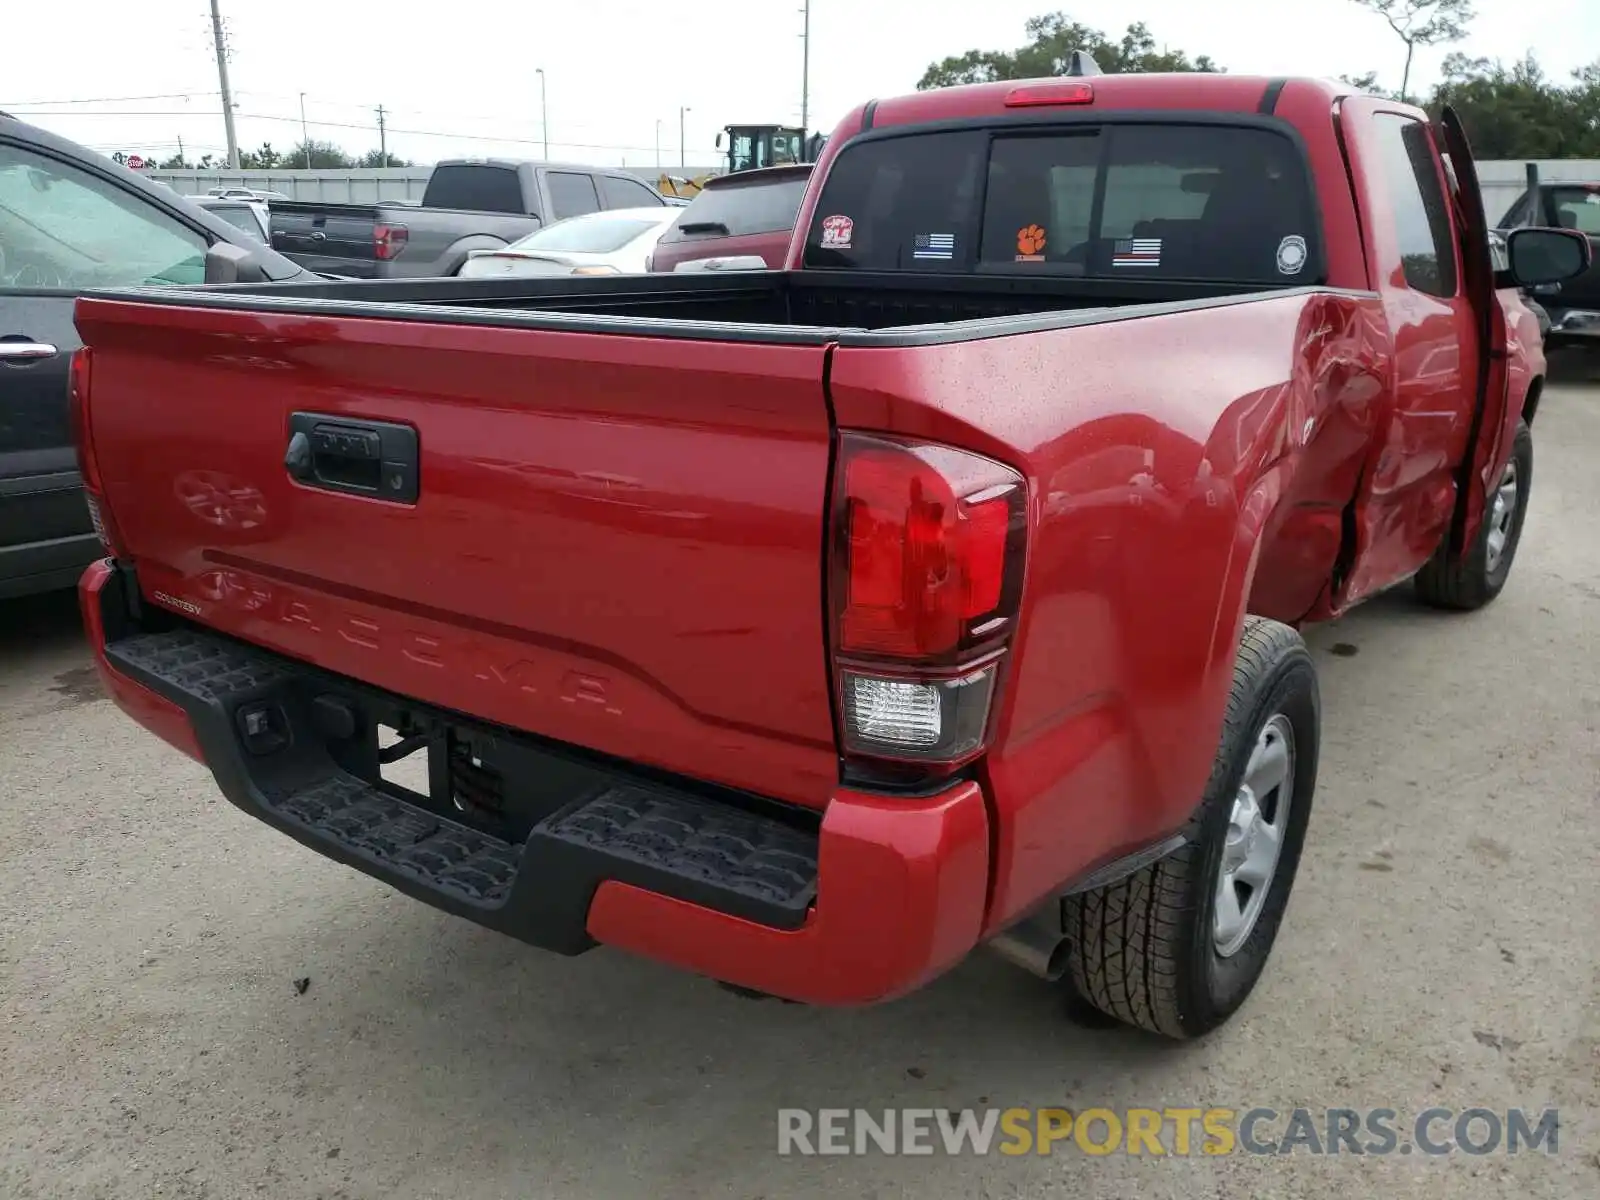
1480, 574
1177, 947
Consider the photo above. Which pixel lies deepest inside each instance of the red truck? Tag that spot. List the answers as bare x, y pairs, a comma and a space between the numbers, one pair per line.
807, 629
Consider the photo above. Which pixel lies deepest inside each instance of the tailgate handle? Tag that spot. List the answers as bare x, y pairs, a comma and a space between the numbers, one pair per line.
376, 459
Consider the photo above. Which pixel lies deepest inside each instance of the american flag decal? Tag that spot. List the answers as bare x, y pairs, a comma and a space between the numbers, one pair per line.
1137, 252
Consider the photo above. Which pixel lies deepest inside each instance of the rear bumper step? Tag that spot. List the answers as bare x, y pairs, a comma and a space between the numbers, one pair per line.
537, 887
550, 844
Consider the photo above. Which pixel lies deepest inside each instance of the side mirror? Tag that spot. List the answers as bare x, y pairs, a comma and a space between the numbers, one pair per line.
719, 141
1536, 257
227, 263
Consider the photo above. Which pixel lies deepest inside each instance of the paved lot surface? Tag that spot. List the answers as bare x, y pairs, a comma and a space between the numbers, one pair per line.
1441, 949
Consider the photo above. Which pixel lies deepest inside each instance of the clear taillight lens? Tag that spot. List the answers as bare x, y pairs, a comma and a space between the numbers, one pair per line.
942, 720
96, 519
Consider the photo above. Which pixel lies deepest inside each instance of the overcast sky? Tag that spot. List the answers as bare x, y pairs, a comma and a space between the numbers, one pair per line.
458, 76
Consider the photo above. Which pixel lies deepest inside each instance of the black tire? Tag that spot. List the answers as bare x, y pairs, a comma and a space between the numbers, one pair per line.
1142, 949
1472, 582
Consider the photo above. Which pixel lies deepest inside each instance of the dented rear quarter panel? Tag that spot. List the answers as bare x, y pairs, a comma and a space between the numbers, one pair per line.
1183, 469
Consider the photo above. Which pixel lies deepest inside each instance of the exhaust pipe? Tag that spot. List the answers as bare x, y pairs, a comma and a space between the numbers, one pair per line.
1038, 943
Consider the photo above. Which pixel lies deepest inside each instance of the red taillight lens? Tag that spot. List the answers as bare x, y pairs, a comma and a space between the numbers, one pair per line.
928, 533
88, 466
927, 577
388, 241
1038, 95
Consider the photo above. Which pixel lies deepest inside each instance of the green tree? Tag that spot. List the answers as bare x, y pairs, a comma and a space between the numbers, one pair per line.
264, 159
1368, 82
1517, 111
1422, 23
1051, 40
175, 163
322, 156
374, 158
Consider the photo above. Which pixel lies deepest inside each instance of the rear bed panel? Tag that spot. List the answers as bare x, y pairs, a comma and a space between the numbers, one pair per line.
1154, 448
617, 541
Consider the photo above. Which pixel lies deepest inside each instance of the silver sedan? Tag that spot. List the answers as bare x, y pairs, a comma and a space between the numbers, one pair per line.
615, 242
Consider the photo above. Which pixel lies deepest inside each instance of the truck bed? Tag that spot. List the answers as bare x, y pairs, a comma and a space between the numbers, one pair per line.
764, 306
585, 508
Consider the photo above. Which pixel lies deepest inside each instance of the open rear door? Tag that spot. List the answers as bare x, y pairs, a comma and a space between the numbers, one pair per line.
1493, 420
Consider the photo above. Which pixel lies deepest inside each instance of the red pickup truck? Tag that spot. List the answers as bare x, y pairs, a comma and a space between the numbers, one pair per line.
808, 628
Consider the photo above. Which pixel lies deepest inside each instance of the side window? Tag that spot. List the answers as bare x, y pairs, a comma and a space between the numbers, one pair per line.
1578, 208
627, 193
63, 227
572, 194
1517, 216
1417, 204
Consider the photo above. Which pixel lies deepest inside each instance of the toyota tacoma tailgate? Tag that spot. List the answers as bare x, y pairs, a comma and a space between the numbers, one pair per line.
614, 542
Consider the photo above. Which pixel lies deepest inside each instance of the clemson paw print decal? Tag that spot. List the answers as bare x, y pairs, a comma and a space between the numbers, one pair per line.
1030, 239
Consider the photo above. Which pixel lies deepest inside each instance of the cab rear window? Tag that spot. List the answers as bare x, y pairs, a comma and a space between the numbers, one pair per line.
1211, 202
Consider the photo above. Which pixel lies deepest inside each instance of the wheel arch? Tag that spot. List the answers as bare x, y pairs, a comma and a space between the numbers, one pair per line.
1530, 402
455, 255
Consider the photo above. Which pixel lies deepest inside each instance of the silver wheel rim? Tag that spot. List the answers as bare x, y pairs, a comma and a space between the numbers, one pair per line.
1256, 828
1502, 509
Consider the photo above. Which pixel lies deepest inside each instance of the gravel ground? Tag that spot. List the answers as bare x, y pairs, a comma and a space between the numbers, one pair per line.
1440, 950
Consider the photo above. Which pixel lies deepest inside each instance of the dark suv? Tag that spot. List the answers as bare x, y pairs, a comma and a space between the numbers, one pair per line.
747, 216
71, 221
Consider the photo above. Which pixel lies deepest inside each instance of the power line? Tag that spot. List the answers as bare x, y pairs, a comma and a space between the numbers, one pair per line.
107, 99
443, 114
432, 133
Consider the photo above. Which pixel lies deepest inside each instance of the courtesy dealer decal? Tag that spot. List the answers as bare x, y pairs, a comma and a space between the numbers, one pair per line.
837, 232
1292, 255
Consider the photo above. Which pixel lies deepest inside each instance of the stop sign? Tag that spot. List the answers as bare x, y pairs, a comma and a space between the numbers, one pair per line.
135, 162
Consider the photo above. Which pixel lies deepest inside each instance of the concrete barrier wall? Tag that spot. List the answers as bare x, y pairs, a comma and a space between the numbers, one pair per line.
356, 186
1502, 181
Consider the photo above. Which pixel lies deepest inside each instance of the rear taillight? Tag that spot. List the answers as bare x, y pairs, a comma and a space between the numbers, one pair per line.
93, 487
388, 241
925, 584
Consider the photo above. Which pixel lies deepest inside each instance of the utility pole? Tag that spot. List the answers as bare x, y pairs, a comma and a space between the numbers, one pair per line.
305, 132
805, 73
383, 140
222, 79
683, 153
544, 112
181, 157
